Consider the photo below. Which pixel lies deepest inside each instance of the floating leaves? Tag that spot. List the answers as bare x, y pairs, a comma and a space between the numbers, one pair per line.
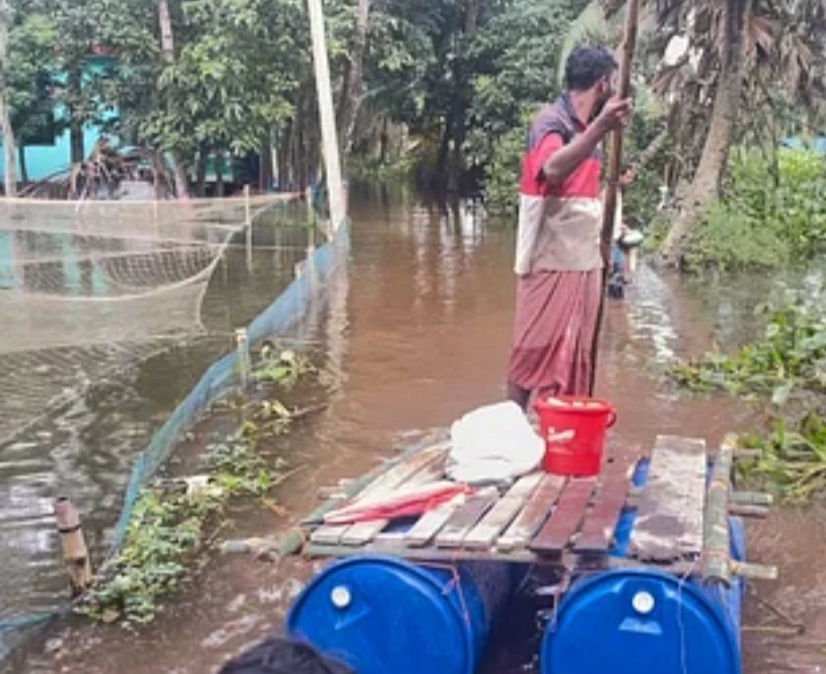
787, 368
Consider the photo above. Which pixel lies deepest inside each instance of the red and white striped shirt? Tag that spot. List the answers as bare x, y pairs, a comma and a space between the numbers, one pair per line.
559, 225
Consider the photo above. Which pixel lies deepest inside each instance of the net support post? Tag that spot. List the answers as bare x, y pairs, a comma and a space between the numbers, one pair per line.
75, 552
242, 347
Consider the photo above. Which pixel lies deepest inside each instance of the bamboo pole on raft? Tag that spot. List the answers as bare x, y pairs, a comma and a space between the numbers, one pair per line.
615, 162
716, 567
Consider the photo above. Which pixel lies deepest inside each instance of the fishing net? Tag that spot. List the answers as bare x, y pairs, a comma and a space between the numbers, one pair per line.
90, 288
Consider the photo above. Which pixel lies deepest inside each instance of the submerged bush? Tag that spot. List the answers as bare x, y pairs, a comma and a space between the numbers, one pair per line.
772, 213
172, 517
167, 528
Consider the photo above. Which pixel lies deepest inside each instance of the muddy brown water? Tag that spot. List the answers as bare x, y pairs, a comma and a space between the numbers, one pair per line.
421, 337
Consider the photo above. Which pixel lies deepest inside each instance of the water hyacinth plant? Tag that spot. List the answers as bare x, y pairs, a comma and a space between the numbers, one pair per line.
786, 367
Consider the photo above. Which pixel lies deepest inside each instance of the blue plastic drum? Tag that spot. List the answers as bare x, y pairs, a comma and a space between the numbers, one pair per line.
382, 615
641, 622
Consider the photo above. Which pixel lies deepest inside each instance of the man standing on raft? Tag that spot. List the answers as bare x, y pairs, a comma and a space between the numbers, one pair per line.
558, 258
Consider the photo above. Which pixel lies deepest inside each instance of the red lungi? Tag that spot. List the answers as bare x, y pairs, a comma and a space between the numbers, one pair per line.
553, 338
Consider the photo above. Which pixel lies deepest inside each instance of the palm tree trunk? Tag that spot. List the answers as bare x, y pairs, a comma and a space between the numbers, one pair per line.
455, 129
706, 183
9, 144
8, 147
200, 172
354, 81
78, 149
24, 167
384, 142
462, 85
168, 51
219, 173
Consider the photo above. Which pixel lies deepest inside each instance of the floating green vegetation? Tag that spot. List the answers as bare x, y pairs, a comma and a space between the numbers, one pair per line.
787, 368
789, 358
792, 460
284, 368
173, 518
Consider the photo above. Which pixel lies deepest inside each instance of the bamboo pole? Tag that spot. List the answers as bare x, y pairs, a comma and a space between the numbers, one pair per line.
752, 498
754, 571
615, 159
716, 562
75, 553
614, 164
332, 161
273, 548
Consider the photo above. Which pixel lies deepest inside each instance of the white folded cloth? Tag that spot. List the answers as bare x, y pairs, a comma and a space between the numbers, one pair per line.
493, 443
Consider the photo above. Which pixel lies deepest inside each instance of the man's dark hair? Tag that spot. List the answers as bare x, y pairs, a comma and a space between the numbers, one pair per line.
281, 655
586, 65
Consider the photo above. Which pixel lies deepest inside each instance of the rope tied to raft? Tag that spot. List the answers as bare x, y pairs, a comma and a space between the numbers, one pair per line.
683, 579
455, 582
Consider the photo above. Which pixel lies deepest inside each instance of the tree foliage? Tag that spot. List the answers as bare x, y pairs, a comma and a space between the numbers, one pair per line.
451, 81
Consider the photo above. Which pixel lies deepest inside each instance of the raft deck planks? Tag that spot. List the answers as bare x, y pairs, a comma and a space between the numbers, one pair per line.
669, 522
384, 484
500, 515
597, 531
543, 519
533, 515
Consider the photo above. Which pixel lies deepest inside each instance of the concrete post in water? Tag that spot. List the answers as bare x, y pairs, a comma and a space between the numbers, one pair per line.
242, 346
329, 137
75, 553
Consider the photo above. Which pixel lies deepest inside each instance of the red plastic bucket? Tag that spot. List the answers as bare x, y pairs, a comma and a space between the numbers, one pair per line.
574, 432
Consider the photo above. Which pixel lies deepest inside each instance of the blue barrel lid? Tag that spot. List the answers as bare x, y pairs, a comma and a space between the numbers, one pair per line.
639, 622
382, 615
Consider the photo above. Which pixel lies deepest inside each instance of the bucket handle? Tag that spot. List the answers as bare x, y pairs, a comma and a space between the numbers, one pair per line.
612, 418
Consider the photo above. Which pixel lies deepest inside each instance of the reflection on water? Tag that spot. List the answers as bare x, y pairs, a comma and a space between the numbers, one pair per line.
418, 335
649, 314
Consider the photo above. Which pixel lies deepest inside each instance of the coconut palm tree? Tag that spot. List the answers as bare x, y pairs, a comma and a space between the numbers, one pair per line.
742, 56
735, 56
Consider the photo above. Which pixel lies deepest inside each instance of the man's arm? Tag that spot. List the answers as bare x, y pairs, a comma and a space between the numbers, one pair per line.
564, 161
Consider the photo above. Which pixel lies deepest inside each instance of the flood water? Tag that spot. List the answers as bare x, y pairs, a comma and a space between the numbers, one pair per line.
417, 337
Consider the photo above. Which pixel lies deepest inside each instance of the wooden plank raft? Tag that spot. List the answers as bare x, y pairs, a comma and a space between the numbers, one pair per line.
515, 522
669, 522
541, 518
420, 468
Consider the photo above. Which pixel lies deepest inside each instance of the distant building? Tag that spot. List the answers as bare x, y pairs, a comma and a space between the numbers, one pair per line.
818, 143
50, 151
